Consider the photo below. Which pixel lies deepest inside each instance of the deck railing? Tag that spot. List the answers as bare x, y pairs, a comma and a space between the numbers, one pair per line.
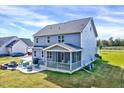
58, 65
63, 66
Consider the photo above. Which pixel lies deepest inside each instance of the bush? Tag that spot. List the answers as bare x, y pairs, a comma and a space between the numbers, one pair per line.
98, 56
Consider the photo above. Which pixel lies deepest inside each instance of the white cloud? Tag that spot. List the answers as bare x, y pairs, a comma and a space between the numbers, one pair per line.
38, 23
111, 19
25, 16
107, 32
20, 12
17, 26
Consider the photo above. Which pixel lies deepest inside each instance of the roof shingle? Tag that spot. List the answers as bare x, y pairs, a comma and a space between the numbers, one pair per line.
75, 26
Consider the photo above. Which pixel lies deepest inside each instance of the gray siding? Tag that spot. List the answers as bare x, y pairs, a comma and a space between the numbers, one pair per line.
88, 43
68, 38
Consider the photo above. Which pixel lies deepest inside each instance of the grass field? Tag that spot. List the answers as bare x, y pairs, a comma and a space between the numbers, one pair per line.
103, 75
114, 58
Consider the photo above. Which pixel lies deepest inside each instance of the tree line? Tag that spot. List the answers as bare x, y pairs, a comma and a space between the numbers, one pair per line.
110, 42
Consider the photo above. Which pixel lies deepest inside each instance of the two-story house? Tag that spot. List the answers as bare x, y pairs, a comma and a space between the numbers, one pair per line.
66, 47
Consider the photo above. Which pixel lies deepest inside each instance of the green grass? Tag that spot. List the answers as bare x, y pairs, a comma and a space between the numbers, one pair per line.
8, 59
103, 75
114, 58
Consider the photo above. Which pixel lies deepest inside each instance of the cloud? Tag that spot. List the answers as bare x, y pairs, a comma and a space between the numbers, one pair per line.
17, 26
111, 19
38, 23
107, 32
25, 16
26, 20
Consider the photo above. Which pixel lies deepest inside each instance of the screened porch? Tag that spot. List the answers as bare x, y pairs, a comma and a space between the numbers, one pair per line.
64, 60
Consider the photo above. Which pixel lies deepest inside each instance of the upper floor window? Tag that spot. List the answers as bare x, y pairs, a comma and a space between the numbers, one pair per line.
48, 39
36, 40
61, 38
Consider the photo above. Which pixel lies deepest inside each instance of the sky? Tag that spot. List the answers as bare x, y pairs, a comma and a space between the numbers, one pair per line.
24, 21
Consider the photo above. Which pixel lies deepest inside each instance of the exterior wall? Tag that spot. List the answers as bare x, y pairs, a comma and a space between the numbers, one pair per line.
3, 49
88, 43
38, 54
19, 47
68, 38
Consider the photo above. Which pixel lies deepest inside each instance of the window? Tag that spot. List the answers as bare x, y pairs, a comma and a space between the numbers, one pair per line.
36, 40
49, 55
48, 39
76, 56
61, 38
42, 53
34, 53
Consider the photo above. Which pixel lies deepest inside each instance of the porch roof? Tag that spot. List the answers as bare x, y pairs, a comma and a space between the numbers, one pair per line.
66, 46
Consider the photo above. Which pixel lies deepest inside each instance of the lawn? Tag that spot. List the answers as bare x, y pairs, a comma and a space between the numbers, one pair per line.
103, 75
114, 58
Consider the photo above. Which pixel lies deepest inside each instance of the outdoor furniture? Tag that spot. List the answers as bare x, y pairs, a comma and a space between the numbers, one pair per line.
3, 67
29, 68
5, 64
12, 64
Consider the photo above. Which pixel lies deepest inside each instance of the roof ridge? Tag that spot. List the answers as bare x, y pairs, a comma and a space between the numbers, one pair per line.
70, 21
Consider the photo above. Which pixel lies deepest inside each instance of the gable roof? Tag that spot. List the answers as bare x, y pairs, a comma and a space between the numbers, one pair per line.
12, 43
3, 40
66, 46
75, 26
27, 41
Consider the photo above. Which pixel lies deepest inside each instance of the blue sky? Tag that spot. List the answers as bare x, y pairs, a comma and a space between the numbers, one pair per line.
24, 21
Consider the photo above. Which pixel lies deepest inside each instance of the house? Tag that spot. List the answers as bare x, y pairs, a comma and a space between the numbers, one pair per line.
66, 47
13, 44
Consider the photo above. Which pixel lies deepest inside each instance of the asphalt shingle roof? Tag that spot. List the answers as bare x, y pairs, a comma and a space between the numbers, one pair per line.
3, 40
27, 41
75, 26
70, 47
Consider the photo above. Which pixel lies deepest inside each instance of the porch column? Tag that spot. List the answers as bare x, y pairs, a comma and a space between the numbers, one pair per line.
70, 60
45, 54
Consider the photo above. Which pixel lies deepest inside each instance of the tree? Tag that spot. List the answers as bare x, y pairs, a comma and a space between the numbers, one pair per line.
111, 41
99, 44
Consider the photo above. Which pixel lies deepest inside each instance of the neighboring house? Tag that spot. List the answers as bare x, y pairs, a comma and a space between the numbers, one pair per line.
13, 44
66, 47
